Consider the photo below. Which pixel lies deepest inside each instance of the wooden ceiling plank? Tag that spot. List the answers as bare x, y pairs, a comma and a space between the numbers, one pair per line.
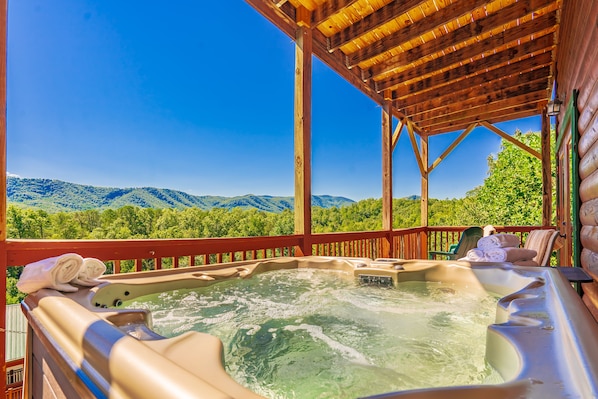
328, 9
375, 20
511, 139
495, 117
479, 27
454, 80
545, 24
453, 145
488, 93
435, 117
413, 31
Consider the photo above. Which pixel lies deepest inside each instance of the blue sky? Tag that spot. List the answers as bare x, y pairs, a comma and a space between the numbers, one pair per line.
196, 96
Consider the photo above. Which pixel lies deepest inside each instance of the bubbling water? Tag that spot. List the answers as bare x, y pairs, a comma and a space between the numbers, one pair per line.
308, 333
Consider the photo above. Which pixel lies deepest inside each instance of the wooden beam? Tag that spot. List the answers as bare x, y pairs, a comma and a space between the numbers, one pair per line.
371, 22
303, 17
416, 151
495, 117
453, 114
546, 171
397, 133
303, 90
517, 36
387, 216
451, 147
472, 116
510, 139
282, 16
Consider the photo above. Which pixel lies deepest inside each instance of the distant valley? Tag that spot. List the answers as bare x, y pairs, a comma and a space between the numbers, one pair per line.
59, 196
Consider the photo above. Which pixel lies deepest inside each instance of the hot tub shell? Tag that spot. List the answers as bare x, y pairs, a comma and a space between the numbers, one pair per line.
543, 342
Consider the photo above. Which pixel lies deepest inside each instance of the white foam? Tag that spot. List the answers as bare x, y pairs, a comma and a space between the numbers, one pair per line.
347, 352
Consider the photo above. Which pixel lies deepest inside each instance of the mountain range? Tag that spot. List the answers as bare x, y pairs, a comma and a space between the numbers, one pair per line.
60, 196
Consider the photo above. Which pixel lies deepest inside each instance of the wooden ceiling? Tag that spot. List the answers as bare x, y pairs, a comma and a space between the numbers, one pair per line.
444, 64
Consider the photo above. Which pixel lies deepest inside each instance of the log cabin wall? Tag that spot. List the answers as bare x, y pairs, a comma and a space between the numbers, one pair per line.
577, 69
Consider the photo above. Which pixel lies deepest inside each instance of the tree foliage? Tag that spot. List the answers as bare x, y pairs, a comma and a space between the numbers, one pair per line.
512, 192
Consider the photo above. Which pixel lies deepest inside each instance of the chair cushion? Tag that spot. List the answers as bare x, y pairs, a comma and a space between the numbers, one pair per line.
542, 241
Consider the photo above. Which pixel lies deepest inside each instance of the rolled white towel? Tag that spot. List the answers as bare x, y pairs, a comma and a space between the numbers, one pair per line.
54, 273
509, 254
502, 240
91, 269
475, 255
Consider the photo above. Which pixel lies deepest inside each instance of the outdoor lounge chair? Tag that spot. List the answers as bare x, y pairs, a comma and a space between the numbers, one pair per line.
469, 240
544, 243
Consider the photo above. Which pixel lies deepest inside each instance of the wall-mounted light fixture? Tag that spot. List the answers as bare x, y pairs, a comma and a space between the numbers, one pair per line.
553, 108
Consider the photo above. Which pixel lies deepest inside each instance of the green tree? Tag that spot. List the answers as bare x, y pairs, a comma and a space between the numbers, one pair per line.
512, 192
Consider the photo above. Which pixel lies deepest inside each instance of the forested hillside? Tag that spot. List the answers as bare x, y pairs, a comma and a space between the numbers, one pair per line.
59, 196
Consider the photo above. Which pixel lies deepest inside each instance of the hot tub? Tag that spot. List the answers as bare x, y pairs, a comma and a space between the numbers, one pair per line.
542, 343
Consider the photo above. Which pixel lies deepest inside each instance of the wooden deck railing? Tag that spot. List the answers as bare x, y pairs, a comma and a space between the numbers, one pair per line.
136, 255
14, 379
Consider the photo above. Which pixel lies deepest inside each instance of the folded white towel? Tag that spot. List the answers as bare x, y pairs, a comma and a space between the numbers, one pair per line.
499, 241
509, 254
91, 269
54, 273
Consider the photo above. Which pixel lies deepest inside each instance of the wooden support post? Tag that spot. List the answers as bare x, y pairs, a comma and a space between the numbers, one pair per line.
546, 171
387, 247
303, 75
424, 196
